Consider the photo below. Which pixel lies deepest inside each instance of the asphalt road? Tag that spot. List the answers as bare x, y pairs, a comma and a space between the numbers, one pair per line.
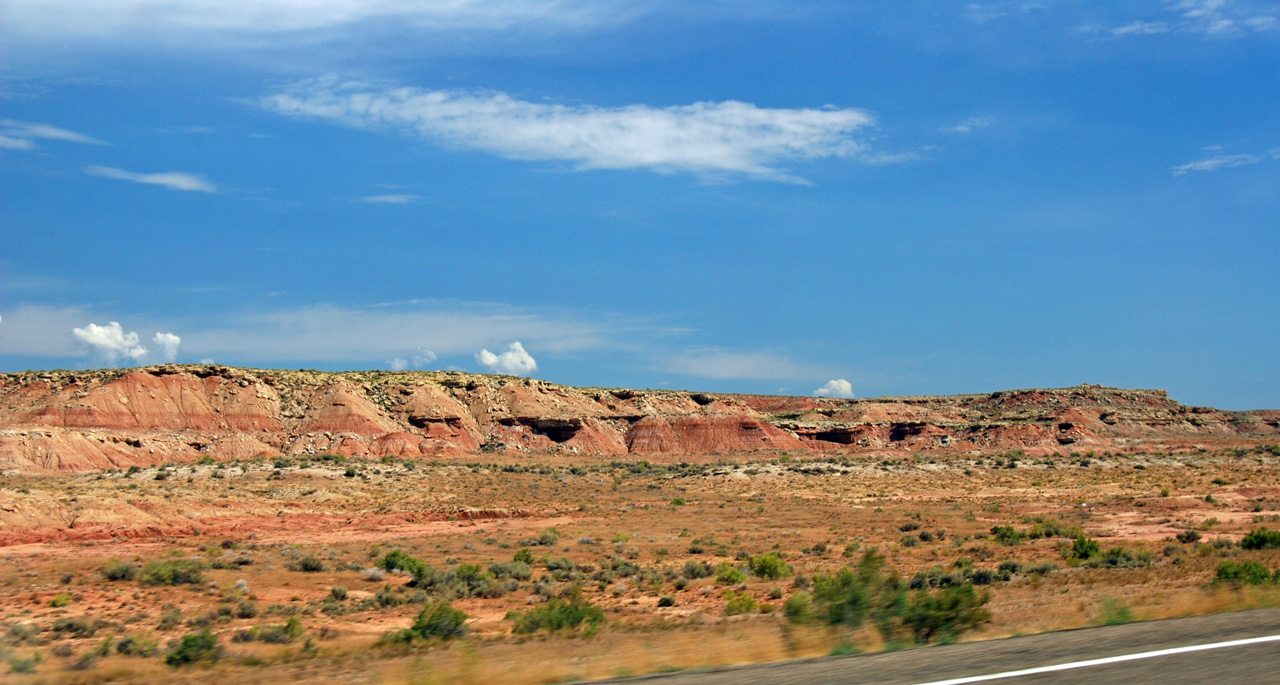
1257, 662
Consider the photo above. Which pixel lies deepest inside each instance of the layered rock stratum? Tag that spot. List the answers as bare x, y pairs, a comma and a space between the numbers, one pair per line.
91, 420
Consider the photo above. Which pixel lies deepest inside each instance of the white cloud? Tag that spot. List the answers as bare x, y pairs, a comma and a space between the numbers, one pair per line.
7, 143
837, 387
709, 138
968, 125
393, 199
423, 357
168, 344
1144, 28
1215, 163
27, 130
147, 20
173, 180
514, 361
111, 342
1212, 18
345, 335
724, 365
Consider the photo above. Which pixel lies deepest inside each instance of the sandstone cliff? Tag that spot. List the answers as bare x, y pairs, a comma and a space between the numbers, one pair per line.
62, 420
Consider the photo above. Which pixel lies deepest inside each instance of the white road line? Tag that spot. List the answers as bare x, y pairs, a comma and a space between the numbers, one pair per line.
1103, 661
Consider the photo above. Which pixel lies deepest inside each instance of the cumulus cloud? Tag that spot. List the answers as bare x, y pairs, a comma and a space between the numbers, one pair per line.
173, 180
725, 365
168, 344
709, 138
422, 358
392, 199
111, 342
514, 361
837, 387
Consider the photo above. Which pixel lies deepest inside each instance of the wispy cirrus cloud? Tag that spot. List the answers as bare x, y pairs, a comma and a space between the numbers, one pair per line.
1224, 161
173, 180
725, 138
969, 125
390, 199
147, 20
1209, 18
22, 135
724, 364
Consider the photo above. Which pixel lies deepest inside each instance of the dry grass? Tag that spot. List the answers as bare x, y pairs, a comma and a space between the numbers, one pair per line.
739, 506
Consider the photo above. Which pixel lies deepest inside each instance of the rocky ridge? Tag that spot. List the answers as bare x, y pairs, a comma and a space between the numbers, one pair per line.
90, 420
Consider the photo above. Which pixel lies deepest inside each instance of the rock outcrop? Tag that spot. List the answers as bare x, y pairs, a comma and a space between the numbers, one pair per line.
78, 421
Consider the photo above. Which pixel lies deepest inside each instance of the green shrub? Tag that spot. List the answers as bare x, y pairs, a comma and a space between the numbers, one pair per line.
523, 556
60, 600
338, 592
439, 620
851, 596
694, 569
1113, 612
518, 570
666, 601
799, 607
79, 626
1121, 557
282, 635
170, 618
1083, 548
738, 603
1261, 538
396, 560
116, 569
23, 665
1006, 535
245, 609
1243, 572
946, 613
307, 564
195, 648
138, 645
558, 614
728, 575
769, 565
1188, 536
173, 572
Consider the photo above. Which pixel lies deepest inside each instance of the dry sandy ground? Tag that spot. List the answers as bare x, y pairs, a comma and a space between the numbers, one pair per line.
254, 522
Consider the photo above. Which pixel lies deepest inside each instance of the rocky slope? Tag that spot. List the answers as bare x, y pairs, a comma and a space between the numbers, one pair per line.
79, 421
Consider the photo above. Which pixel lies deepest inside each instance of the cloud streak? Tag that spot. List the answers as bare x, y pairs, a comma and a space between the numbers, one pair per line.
1219, 162
173, 180
707, 138
148, 20
391, 199
727, 365
22, 135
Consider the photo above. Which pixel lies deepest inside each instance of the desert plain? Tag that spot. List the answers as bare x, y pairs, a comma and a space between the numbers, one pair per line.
196, 523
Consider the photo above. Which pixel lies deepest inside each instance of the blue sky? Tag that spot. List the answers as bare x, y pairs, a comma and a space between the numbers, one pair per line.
909, 198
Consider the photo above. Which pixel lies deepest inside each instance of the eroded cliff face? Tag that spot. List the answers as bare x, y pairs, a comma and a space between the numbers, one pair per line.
79, 421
